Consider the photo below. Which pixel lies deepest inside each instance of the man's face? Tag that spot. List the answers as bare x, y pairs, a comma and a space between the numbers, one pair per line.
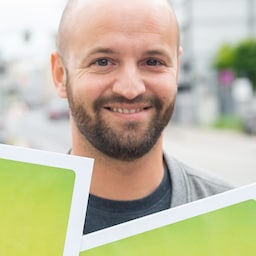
122, 73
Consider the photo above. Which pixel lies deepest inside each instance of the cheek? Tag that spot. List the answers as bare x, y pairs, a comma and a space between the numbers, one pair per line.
166, 89
92, 86
84, 90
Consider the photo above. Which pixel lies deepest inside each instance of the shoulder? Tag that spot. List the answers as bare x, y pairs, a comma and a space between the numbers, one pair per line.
189, 184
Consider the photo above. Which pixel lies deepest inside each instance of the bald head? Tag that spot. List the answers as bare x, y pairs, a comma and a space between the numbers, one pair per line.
75, 9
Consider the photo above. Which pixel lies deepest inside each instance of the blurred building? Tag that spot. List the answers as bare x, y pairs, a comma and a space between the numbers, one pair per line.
206, 25
28, 31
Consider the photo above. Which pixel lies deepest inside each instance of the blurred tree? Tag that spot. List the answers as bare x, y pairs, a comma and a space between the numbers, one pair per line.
224, 58
245, 60
241, 59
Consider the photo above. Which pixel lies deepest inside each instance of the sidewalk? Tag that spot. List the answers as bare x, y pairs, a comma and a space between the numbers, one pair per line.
229, 154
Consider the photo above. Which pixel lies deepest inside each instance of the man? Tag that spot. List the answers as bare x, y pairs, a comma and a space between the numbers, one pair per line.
117, 63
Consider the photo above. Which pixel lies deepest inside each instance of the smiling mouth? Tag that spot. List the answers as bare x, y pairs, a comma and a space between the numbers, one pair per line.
128, 111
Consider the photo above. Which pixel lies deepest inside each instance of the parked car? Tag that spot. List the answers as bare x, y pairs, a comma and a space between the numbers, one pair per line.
250, 118
2, 133
58, 109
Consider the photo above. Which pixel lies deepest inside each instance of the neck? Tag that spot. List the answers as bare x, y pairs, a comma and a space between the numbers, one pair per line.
120, 180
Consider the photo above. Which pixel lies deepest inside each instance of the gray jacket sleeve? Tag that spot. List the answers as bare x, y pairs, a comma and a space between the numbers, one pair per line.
189, 185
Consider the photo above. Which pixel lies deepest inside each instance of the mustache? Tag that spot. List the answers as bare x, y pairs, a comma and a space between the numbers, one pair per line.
152, 101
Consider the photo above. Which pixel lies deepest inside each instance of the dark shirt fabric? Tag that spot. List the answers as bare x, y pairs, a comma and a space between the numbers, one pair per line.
103, 213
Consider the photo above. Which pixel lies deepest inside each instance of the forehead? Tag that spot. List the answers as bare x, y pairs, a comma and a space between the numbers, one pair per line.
93, 19
116, 13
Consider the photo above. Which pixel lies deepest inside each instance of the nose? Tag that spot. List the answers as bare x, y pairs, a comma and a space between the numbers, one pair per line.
129, 83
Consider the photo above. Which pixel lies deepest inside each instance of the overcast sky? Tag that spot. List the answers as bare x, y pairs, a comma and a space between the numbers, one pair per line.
39, 17
29, 14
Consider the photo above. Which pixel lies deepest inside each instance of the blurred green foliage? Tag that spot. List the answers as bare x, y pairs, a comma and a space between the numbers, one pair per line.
224, 58
240, 58
229, 122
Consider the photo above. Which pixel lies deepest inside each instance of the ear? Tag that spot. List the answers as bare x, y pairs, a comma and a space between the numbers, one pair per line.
180, 51
59, 75
178, 63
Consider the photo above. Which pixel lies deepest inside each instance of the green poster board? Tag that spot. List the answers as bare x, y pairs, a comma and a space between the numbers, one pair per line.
43, 202
224, 224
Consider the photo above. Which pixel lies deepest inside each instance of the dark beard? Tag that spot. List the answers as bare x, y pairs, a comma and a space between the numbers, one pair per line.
126, 146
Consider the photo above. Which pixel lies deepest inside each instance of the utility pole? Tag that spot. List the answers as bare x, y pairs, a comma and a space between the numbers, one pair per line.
2, 71
251, 17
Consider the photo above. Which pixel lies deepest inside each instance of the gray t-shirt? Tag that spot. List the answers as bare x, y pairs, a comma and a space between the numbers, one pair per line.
189, 184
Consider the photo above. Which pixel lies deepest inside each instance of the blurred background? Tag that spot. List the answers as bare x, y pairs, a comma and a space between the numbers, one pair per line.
214, 123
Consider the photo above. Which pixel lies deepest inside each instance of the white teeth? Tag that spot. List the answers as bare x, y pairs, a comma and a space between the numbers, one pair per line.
125, 111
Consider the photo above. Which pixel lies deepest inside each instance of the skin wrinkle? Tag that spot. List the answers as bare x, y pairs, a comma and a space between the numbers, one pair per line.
161, 51
87, 58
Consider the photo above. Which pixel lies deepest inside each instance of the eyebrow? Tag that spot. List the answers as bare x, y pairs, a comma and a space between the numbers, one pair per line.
159, 52
101, 50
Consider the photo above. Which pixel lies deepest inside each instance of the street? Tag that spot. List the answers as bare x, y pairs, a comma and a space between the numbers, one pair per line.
33, 129
229, 154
